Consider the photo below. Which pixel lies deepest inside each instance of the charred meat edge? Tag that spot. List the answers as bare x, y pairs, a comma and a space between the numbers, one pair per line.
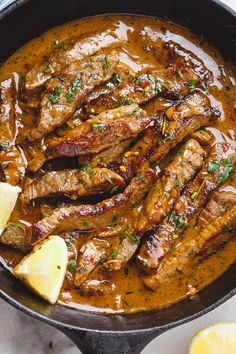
62, 57
66, 92
91, 217
72, 182
196, 194
189, 250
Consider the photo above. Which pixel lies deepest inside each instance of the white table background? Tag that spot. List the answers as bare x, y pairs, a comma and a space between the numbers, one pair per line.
21, 334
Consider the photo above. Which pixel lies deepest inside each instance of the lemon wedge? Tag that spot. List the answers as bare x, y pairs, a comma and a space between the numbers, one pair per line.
8, 198
216, 339
43, 270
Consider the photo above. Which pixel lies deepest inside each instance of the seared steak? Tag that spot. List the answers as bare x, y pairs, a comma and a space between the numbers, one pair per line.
12, 165
189, 252
187, 206
65, 92
91, 254
91, 217
166, 191
75, 183
7, 111
62, 57
15, 235
144, 87
97, 287
188, 115
101, 132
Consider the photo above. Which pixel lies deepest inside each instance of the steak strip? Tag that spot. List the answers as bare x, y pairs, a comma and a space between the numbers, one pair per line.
15, 235
143, 87
188, 115
189, 252
101, 132
72, 182
165, 192
66, 92
196, 194
61, 57
91, 217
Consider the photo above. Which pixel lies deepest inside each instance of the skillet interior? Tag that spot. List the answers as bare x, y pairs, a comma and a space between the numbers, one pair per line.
19, 24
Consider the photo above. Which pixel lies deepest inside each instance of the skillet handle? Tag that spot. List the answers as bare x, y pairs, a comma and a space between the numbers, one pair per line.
111, 343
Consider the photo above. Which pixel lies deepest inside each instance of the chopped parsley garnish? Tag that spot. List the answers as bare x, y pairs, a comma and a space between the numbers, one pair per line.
151, 79
177, 220
100, 126
48, 69
74, 88
158, 89
106, 63
69, 96
213, 165
52, 98
18, 226
191, 84
137, 80
71, 265
139, 177
58, 267
116, 79
110, 85
228, 167
4, 145
57, 91
65, 45
195, 194
114, 254
86, 168
133, 237
114, 189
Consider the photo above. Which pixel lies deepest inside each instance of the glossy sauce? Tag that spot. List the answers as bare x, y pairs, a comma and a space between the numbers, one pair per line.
142, 47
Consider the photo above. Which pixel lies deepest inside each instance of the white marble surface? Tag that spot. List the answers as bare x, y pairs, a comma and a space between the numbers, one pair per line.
20, 334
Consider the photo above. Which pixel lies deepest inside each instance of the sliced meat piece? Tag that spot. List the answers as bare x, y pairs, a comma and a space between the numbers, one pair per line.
7, 112
91, 217
66, 54
66, 92
219, 203
101, 132
125, 252
179, 56
189, 251
75, 183
106, 157
187, 206
166, 191
188, 115
12, 165
203, 137
91, 254
143, 87
15, 235
97, 287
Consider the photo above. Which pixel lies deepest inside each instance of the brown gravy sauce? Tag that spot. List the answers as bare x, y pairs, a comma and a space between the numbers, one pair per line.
140, 35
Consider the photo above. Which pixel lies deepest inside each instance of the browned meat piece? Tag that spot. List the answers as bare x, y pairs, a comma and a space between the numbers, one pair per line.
189, 252
92, 217
216, 169
65, 92
179, 56
118, 80
124, 253
188, 115
203, 137
91, 254
106, 157
65, 55
75, 183
101, 132
15, 235
7, 112
12, 165
219, 203
97, 287
166, 191
144, 87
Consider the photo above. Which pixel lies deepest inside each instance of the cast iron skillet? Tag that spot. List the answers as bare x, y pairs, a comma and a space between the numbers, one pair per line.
21, 21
